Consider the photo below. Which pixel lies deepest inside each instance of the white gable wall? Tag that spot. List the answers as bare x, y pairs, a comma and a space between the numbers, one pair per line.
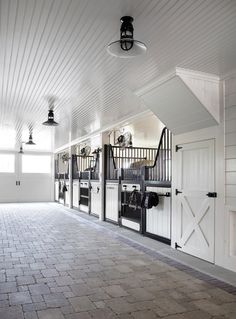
230, 170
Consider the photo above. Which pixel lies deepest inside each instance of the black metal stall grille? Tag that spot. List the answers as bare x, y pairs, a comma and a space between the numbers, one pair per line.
122, 161
136, 163
85, 167
161, 169
57, 173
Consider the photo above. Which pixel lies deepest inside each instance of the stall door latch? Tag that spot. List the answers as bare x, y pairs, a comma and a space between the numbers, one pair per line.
177, 192
177, 148
177, 246
212, 194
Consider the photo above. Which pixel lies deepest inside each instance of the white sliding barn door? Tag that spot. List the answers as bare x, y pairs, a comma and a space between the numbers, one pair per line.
25, 177
196, 210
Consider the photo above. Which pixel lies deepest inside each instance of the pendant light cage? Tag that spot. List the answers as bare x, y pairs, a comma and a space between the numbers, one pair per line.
50, 121
126, 47
30, 142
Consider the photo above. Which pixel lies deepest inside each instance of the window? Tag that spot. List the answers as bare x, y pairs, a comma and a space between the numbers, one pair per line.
40, 164
7, 163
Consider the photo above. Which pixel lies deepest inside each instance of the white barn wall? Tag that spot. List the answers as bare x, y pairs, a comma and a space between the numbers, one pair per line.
225, 157
230, 171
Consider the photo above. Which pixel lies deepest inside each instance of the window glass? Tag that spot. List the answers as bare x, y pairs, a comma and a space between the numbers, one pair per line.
7, 163
36, 164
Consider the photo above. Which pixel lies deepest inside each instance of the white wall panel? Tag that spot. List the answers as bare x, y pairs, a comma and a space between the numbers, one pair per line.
230, 112
230, 165
230, 178
230, 152
56, 191
75, 194
230, 126
112, 201
230, 141
158, 220
230, 174
232, 234
231, 190
230, 100
96, 204
230, 201
230, 138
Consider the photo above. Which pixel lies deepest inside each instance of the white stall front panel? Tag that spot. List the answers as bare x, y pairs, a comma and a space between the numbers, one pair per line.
158, 220
96, 198
75, 194
112, 208
56, 191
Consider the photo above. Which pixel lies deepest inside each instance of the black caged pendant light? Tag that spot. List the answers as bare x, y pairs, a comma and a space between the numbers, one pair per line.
126, 47
30, 142
21, 151
50, 121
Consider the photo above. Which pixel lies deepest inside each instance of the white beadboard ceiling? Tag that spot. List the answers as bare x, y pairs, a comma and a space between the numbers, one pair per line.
58, 47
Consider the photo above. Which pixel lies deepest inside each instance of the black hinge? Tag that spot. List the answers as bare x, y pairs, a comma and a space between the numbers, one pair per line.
212, 194
177, 246
177, 192
177, 148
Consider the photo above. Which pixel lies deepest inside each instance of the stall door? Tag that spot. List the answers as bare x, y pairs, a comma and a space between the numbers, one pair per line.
195, 199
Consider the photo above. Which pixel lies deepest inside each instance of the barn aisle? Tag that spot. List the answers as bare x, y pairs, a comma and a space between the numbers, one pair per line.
53, 266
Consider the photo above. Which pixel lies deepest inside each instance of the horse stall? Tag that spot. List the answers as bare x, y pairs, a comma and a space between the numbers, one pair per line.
61, 183
95, 185
86, 185
138, 188
81, 182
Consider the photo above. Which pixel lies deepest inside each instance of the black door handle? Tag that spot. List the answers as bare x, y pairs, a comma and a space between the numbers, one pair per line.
177, 246
212, 194
177, 192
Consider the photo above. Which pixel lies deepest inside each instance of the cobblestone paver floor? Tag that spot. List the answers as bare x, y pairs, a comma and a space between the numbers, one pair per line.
55, 267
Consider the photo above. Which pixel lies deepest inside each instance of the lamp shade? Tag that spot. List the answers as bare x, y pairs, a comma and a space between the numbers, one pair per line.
30, 142
115, 48
21, 150
50, 121
126, 47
